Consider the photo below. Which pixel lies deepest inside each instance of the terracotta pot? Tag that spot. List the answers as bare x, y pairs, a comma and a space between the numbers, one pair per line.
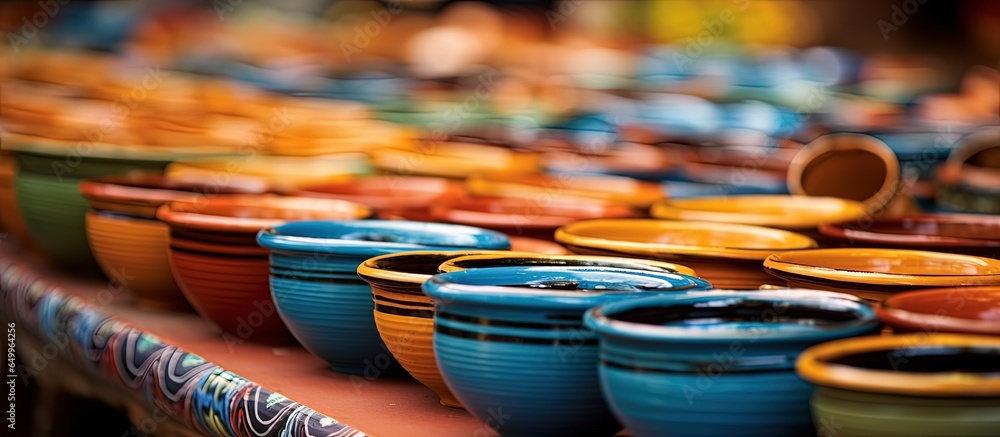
969, 234
391, 196
964, 310
565, 188
220, 268
919, 385
524, 217
876, 274
727, 255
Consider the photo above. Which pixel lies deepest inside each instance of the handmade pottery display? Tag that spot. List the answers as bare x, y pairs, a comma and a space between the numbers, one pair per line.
316, 289
918, 385
512, 338
565, 187
220, 268
875, 274
727, 255
128, 241
285, 173
963, 310
693, 364
968, 181
539, 260
969, 234
524, 217
800, 213
404, 316
392, 196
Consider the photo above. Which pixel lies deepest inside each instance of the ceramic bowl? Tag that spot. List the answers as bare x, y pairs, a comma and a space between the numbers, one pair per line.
610, 189
918, 385
220, 268
693, 364
392, 196
315, 284
727, 255
538, 260
284, 173
404, 316
454, 160
511, 340
969, 234
962, 310
524, 217
128, 241
800, 213
875, 274
534, 245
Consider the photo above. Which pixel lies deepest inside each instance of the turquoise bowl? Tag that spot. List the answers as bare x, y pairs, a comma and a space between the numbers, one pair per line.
720, 363
317, 291
512, 348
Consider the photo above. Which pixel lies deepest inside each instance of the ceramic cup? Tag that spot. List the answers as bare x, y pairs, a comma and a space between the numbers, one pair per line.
962, 310
717, 363
317, 291
511, 340
918, 385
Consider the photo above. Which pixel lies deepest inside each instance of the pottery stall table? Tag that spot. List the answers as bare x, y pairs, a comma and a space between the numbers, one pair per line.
176, 375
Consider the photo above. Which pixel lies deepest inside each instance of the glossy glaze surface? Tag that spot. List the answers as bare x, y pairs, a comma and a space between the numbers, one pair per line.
525, 217
890, 267
513, 259
786, 212
957, 233
619, 190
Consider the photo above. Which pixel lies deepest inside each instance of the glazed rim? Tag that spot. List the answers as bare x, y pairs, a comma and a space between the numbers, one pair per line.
549, 282
380, 267
847, 141
862, 317
792, 211
893, 311
150, 188
817, 366
343, 164
840, 231
573, 234
377, 237
251, 213
454, 264
607, 188
775, 265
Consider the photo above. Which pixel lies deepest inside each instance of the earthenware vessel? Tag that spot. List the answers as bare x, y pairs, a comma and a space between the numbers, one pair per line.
493, 260
692, 364
128, 241
968, 180
533, 218
876, 274
564, 187
511, 345
969, 234
220, 268
317, 291
404, 316
392, 196
919, 385
285, 173
962, 310
727, 255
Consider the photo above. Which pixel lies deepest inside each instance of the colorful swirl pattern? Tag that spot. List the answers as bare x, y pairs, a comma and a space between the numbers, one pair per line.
193, 391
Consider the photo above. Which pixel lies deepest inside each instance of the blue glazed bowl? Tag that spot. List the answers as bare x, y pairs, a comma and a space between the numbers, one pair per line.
511, 345
317, 291
720, 363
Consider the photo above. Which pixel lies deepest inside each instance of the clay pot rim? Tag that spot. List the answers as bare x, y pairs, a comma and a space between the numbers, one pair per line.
917, 240
327, 237
337, 165
614, 262
379, 193
639, 194
602, 318
835, 142
569, 235
151, 188
371, 268
50, 147
894, 311
808, 211
193, 214
516, 212
814, 366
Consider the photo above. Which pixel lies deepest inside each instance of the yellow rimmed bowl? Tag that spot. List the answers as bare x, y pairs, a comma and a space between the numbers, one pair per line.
790, 212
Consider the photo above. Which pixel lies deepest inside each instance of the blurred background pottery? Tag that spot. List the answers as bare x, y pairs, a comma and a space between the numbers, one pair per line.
969, 181
404, 315
128, 241
220, 268
317, 291
969, 234
453, 160
513, 338
285, 174
11, 220
535, 245
727, 255
538, 260
962, 310
524, 217
656, 353
392, 196
914, 384
565, 187
876, 274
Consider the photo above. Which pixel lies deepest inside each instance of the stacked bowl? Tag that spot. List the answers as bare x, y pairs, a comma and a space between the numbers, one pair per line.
219, 267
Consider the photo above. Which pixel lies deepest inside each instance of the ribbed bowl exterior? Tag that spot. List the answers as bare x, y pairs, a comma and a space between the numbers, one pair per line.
54, 212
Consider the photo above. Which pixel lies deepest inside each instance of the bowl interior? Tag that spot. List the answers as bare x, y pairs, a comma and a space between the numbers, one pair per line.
739, 314
926, 359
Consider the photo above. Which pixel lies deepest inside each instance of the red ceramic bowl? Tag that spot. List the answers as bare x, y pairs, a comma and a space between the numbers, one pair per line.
524, 217
141, 193
220, 268
965, 310
968, 234
391, 196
